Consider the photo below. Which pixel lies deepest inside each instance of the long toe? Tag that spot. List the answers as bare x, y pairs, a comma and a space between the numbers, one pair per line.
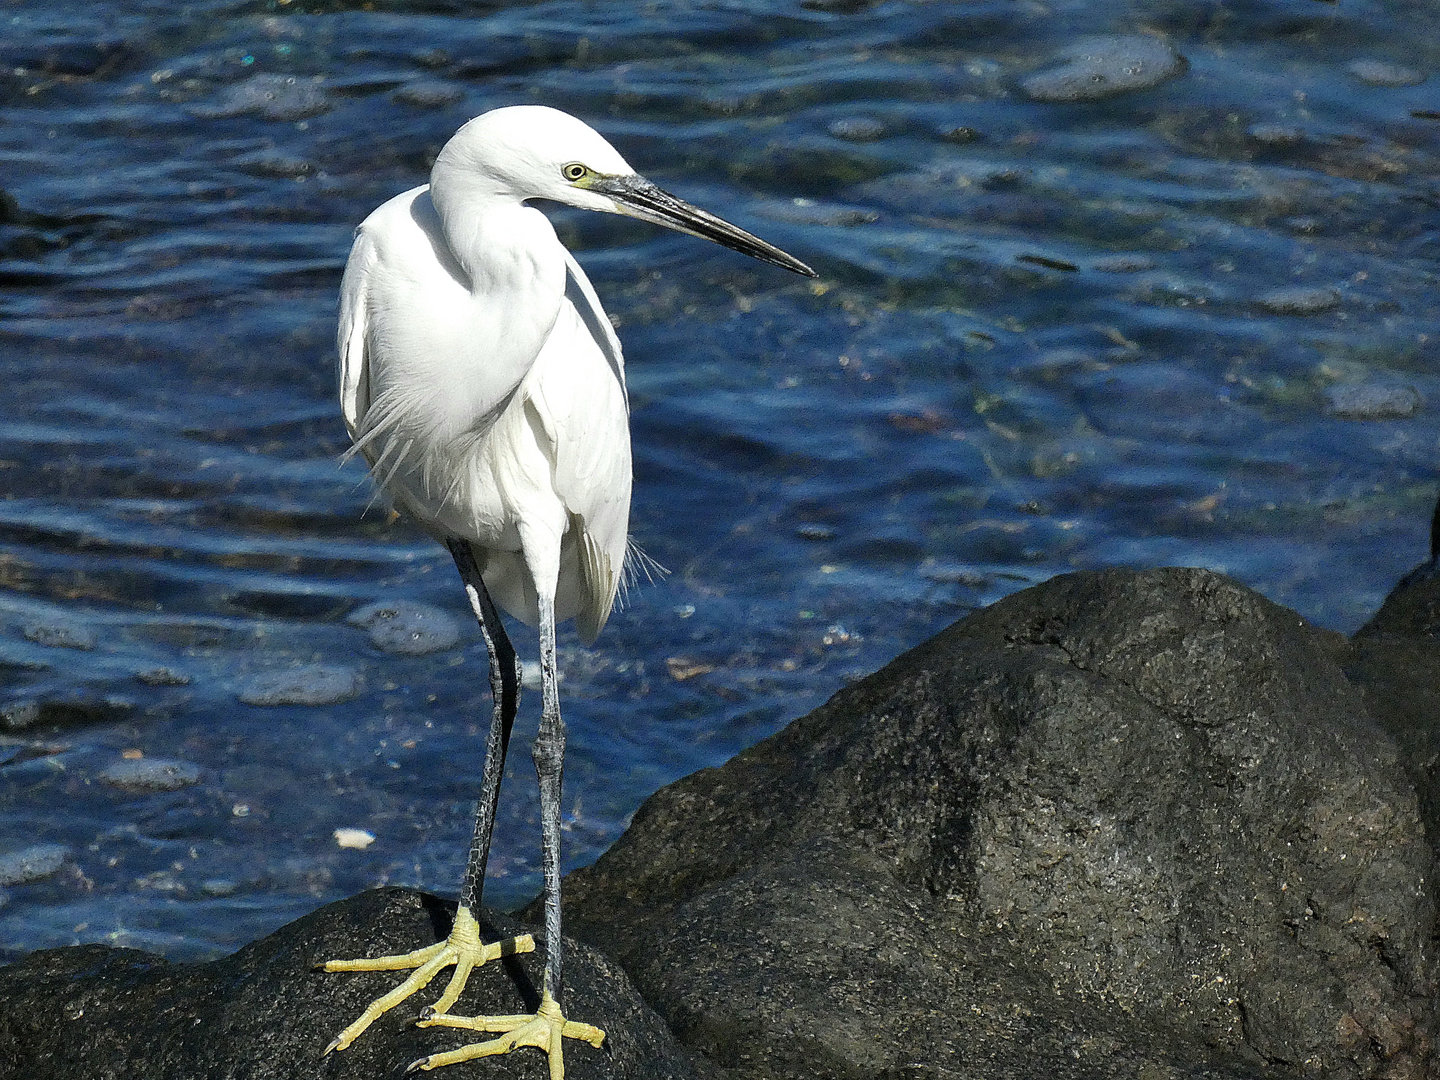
463, 949
546, 1030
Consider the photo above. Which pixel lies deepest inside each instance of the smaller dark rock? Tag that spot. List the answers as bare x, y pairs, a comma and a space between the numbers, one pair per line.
238, 1016
961, 134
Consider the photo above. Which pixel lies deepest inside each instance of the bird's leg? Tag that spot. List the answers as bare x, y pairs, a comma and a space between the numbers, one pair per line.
463, 948
547, 1028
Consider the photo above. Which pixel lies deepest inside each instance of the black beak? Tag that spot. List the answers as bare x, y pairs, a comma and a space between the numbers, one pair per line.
638, 197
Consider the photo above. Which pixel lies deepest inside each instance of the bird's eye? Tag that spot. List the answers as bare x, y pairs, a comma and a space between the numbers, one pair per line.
574, 171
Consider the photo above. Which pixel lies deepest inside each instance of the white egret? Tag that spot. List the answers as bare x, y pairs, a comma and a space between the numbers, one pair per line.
482, 381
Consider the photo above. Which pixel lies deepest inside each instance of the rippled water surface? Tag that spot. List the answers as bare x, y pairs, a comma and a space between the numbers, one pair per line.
1193, 323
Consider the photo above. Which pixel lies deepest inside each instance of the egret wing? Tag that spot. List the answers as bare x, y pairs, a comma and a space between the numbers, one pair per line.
350, 341
579, 399
581, 294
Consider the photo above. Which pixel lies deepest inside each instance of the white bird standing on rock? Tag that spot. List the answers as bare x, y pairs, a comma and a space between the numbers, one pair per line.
482, 381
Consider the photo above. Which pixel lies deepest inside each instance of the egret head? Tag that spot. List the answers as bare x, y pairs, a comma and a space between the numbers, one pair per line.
535, 152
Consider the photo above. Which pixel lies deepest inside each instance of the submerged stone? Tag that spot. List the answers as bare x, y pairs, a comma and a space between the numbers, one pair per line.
151, 774
1372, 401
407, 627
1384, 73
856, 128
1123, 264
32, 863
1300, 300
312, 684
1104, 66
162, 676
270, 97
428, 94
60, 635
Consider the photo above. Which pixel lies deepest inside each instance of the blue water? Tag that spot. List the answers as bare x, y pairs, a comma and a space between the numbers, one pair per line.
1035, 345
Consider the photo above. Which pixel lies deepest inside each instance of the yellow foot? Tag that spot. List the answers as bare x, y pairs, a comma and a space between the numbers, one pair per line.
546, 1030
462, 948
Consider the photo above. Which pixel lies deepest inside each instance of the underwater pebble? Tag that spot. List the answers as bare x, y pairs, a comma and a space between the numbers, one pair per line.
219, 887
59, 635
809, 212
32, 863
151, 774
811, 530
1101, 67
1123, 264
271, 164
947, 573
856, 128
358, 839
1372, 401
1300, 300
270, 97
428, 94
313, 684
26, 712
1384, 73
162, 676
17, 715
407, 627
1275, 134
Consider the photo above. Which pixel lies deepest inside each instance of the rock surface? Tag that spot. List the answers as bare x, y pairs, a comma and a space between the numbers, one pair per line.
263, 1014
1120, 824
1395, 657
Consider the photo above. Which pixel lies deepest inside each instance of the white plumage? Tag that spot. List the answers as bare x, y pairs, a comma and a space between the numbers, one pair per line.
482, 381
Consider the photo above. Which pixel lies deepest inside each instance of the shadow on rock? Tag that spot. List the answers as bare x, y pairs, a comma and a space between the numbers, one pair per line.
1122, 823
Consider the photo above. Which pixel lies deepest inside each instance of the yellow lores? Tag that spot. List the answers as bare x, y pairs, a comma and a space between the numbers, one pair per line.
481, 380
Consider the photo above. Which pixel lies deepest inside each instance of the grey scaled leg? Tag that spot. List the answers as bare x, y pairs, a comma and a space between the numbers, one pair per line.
547, 1028
463, 948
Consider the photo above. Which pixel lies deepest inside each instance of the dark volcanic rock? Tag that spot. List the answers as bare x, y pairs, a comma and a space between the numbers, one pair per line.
1396, 658
263, 1014
1120, 824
